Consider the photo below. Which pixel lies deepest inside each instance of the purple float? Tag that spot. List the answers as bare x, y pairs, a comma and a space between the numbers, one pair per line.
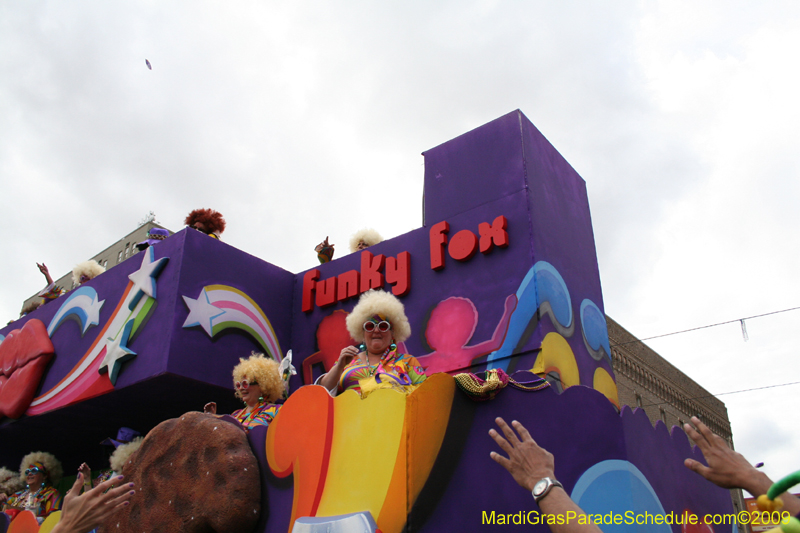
501, 276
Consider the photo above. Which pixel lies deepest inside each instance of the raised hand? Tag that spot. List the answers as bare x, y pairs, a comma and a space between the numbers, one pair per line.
83, 512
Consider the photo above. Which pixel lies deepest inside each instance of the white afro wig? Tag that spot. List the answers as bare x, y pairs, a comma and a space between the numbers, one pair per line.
369, 236
52, 467
120, 457
90, 269
10, 482
381, 303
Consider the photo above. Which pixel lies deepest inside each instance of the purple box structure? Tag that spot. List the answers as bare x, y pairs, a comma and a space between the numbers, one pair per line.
502, 275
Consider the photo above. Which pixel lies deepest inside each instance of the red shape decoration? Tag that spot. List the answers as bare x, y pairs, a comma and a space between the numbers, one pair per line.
371, 275
24, 522
326, 292
463, 245
348, 285
309, 283
398, 273
24, 354
438, 240
332, 338
493, 234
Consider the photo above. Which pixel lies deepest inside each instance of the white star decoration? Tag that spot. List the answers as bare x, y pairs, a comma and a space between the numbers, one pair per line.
93, 314
201, 312
83, 306
144, 279
117, 352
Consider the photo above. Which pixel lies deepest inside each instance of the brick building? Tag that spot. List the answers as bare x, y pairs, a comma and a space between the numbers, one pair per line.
648, 381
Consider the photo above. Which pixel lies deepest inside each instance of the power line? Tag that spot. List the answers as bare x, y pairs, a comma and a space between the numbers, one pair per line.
731, 392
740, 320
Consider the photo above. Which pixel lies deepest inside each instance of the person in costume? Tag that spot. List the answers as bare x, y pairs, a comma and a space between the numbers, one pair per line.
258, 382
729, 469
360, 240
364, 238
207, 221
378, 322
154, 236
40, 471
51, 292
9, 482
533, 468
85, 271
126, 444
324, 251
83, 513
31, 307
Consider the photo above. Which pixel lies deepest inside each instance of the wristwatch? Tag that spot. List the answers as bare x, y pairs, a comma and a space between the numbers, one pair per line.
543, 486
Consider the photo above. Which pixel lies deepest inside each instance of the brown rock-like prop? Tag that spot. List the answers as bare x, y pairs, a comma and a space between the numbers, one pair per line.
193, 474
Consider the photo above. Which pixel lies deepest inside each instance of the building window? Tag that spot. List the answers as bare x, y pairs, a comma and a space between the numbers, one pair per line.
663, 414
119, 257
638, 400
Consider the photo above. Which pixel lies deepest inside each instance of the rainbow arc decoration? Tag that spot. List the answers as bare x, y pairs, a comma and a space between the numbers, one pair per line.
219, 307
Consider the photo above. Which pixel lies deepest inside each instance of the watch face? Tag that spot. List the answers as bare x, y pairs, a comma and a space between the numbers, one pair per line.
539, 487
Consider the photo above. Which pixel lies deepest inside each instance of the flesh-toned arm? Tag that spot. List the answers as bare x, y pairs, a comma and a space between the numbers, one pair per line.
729, 469
528, 463
83, 512
44, 270
331, 380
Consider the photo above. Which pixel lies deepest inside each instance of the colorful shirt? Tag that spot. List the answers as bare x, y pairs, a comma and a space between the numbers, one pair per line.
262, 415
51, 292
41, 503
395, 369
325, 254
105, 475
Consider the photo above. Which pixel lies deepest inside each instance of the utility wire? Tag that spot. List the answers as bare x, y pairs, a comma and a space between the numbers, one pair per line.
724, 393
704, 327
741, 321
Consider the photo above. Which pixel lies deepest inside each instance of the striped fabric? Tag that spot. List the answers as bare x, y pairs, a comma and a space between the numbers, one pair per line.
262, 415
41, 503
397, 369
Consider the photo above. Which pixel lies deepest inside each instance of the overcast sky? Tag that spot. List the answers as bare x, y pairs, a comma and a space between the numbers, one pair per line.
299, 120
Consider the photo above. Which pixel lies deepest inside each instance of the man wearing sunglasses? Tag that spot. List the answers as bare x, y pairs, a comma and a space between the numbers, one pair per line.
378, 323
40, 497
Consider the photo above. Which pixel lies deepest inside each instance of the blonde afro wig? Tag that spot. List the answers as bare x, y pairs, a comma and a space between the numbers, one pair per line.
369, 236
382, 303
10, 482
31, 307
90, 269
51, 465
120, 457
264, 370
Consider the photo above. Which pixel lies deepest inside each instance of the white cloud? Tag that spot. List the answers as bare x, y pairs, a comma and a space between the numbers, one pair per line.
681, 116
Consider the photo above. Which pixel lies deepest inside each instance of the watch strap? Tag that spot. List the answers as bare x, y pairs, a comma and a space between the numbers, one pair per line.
550, 484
